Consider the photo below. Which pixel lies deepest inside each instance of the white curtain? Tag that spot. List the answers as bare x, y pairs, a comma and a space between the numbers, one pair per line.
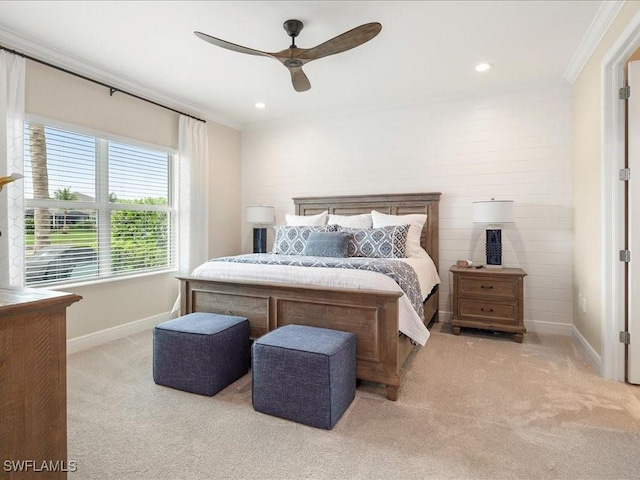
193, 198
12, 86
194, 194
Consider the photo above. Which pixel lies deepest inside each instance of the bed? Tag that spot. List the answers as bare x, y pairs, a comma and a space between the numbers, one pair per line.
372, 315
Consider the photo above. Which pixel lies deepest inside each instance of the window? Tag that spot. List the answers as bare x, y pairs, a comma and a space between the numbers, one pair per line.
95, 208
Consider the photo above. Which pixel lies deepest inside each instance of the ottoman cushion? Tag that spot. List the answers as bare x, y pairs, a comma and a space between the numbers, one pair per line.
304, 374
201, 352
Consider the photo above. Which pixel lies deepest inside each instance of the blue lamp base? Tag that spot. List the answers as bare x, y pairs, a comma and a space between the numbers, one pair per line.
259, 240
494, 248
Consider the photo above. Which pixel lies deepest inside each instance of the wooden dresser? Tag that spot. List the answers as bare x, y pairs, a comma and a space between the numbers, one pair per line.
33, 383
491, 299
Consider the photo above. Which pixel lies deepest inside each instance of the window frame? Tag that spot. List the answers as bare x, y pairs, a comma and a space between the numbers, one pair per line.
104, 208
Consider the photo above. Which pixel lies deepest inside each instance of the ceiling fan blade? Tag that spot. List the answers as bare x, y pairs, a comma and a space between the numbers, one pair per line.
230, 46
344, 42
299, 79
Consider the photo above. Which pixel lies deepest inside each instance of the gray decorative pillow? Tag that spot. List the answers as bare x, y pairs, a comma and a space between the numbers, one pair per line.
291, 240
383, 242
327, 244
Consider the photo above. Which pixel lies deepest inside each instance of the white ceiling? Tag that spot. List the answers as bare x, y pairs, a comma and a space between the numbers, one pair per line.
426, 49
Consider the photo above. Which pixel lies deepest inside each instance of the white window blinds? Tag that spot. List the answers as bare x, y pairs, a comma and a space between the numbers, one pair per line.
95, 208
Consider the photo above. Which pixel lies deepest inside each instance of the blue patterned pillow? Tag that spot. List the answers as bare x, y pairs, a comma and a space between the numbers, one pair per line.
291, 240
383, 242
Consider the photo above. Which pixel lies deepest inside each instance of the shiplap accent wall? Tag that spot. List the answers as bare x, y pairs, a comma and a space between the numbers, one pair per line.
513, 145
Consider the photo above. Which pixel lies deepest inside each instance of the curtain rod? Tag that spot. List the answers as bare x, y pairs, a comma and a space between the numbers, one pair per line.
112, 90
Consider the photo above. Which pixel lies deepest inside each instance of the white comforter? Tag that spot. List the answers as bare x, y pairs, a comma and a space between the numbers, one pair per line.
409, 322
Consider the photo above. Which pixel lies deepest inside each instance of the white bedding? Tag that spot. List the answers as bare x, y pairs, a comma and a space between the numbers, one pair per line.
409, 322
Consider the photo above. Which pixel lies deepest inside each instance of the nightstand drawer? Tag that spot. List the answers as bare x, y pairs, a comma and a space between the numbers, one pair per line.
505, 313
488, 286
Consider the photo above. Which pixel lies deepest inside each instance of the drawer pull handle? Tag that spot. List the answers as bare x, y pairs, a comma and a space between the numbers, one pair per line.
486, 286
486, 309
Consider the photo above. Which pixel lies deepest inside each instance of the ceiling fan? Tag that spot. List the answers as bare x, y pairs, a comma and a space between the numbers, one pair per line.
294, 58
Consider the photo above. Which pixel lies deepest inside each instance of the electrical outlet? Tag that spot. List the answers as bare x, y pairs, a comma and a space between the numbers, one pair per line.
582, 302
580, 297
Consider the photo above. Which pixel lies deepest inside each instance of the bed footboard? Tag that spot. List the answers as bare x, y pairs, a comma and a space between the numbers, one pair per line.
371, 315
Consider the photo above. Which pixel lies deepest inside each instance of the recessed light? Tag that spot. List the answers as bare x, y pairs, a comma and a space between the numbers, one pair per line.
260, 105
483, 67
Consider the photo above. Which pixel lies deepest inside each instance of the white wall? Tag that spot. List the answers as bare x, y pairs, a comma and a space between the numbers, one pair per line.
224, 190
509, 145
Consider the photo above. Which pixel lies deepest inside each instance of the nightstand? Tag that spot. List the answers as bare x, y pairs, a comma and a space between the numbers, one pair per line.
491, 299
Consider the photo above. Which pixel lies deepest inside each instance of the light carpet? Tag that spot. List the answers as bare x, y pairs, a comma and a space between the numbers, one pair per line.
474, 406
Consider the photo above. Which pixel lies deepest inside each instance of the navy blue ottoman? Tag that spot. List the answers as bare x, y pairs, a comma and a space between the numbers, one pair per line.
304, 374
201, 352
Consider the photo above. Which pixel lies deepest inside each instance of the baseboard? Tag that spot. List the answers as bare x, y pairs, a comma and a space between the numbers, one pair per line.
536, 326
552, 328
90, 340
590, 354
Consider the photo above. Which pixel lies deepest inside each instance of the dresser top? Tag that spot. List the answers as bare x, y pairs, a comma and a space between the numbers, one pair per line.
489, 271
14, 300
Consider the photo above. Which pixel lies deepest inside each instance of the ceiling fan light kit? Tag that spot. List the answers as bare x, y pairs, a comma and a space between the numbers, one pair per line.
293, 58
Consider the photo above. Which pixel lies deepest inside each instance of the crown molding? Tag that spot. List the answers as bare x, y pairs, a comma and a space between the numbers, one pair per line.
55, 57
599, 26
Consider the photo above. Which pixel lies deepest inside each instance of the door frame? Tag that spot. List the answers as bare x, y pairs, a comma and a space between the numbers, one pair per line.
612, 160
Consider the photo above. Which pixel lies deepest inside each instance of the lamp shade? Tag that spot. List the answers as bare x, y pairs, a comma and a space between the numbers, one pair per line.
260, 214
493, 211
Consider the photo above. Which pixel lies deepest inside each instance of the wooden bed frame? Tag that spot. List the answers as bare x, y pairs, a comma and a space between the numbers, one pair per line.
371, 315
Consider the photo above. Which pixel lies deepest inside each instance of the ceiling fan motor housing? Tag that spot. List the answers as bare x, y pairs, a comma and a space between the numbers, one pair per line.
292, 62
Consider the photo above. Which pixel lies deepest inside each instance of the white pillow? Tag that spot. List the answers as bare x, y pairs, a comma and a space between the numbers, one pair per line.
351, 221
306, 220
416, 222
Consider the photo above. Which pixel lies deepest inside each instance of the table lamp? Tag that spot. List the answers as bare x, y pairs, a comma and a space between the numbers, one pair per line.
493, 212
260, 216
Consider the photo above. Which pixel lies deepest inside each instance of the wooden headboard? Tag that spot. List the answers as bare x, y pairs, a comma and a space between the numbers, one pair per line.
392, 204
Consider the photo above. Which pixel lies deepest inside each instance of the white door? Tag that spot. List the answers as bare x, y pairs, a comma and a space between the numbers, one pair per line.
633, 224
